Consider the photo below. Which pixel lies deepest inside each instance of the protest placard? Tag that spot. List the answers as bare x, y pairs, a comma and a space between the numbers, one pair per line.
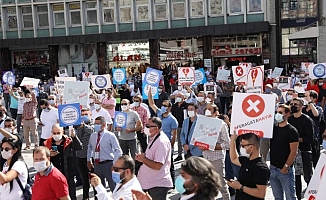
239, 74
11, 79
317, 71
69, 114
60, 83
30, 81
305, 66
284, 82
76, 92
5, 74
101, 81
207, 63
63, 72
315, 188
277, 72
120, 120
223, 75
255, 77
87, 76
186, 75
200, 76
151, 80
119, 76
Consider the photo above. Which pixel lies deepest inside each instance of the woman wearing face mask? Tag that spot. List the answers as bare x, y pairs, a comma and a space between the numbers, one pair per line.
198, 180
13, 168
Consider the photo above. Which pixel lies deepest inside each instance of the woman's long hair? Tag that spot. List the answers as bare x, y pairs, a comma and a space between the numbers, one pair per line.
15, 144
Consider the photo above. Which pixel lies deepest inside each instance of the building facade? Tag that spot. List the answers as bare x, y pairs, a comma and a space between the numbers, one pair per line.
39, 37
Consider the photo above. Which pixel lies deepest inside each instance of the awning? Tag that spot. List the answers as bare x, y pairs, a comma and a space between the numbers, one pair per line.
312, 32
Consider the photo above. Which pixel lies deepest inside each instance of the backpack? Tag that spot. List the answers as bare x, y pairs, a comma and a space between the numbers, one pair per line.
27, 190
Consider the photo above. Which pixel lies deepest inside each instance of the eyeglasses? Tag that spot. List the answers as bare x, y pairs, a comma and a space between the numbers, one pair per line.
294, 104
246, 145
124, 104
6, 149
116, 169
150, 126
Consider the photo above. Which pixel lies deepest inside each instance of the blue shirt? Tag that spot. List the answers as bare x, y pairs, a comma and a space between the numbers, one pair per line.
169, 123
13, 102
109, 146
186, 135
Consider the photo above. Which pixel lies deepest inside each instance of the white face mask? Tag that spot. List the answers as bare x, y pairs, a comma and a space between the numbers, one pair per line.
178, 99
57, 137
91, 100
302, 75
191, 113
40, 166
292, 75
279, 117
146, 131
97, 106
124, 108
187, 95
6, 154
8, 130
179, 88
208, 100
208, 113
136, 104
28, 100
243, 152
200, 99
275, 84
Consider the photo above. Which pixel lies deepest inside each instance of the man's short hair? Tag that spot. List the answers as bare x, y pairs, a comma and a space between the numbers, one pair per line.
14, 123
169, 102
40, 149
313, 94
298, 99
44, 102
128, 163
193, 105
157, 121
101, 119
251, 138
85, 109
287, 108
138, 96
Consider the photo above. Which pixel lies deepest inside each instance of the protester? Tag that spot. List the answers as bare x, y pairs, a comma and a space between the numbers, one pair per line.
41, 95
13, 102
201, 96
109, 103
21, 101
99, 111
49, 117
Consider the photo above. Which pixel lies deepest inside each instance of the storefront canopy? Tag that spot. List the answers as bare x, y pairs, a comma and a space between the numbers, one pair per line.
312, 32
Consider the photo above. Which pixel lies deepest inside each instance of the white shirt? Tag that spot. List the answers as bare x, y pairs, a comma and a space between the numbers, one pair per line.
104, 113
185, 197
21, 102
183, 91
16, 192
48, 119
124, 192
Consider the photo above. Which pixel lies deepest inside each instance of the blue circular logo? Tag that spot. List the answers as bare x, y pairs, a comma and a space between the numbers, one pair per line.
11, 79
319, 70
69, 115
100, 82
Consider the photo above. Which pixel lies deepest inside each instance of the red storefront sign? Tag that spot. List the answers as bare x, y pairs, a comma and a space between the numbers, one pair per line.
127, 58
180, 55
236, 51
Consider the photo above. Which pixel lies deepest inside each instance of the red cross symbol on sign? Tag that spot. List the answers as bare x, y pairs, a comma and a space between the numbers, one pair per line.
253, 105
239, 71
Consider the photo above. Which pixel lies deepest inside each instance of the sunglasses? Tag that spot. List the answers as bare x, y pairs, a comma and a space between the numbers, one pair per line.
246, 145
165, 106
150, 126
116, 169
56, 133
50, 99
124, 104
136, 101
278, 112
294, 104
6, 149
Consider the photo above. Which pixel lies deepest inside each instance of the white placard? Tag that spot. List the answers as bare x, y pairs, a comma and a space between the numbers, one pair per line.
76, 92
255, 77
208, 63
101, 81
317, 71
239, 74
223, 75
87, 76
186, 75
30, 81
253, 113
60, 83
315, 187
63, 72
305, 66
277, 72
206, 132
284, 82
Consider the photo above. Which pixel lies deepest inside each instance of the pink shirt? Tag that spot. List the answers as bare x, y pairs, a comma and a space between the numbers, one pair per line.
111, 101
159, 152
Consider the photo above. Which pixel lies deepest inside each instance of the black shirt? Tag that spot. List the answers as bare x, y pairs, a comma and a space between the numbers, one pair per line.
58, 160
280, 144
305, 128
125, 94
162, 97
252, 172
322, 93
178, 112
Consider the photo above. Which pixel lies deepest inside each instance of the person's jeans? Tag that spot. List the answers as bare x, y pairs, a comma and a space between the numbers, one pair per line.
158, 193
180, 149
7, 100
231, 170
19, 122
13, 113
282, 183
83, 171
143, 140
307, 165
128, 145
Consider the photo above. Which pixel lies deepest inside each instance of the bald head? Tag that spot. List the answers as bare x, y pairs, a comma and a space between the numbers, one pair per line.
56, 127
57, 132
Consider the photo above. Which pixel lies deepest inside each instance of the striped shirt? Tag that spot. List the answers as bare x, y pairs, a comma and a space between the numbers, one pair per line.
30, 108
143, 114
84, 133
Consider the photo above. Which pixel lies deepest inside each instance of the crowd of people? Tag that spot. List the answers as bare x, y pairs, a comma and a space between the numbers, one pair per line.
137, 162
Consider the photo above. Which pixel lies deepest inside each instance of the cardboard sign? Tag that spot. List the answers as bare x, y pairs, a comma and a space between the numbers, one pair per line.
30, 81
206, 132
101, 81
120, 120
63, 72
209, 87
207, 63
253, 113
5, 74
223, 75
87, 76
186, 75
317, 71
200, 76
284, 83
305, 66
255, 77
76, 92
151, 80
69, 114
60, 83
277, 72
239, 74
315, 187
11, 79
119, 76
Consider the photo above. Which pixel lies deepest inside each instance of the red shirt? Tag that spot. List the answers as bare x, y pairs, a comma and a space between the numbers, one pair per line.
51, 186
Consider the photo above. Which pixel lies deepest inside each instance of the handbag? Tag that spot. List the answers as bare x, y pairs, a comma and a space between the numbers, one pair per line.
27, 191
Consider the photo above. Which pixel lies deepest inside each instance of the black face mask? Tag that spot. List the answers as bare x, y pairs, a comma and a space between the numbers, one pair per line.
294, 109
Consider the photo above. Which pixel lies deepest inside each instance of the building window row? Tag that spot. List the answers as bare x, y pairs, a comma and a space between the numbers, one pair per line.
298, 9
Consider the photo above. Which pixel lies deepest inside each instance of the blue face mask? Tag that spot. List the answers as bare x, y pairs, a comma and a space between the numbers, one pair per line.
324, 144
51, 101
163, 109
84, 119
179, 182
116, 177
97, 127
267, 90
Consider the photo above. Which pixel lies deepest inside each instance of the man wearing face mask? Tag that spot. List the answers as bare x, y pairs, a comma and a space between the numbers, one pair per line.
153, 175
294, 80
48, 118
104, 148
21, 101
321, 94
283, 150
305, 127
29, 117
201, 103
254, 173
109, 103
13, 102
123, 174
276, 90
127, 138
99, 111
92, 100
288, 96
51, 184
62, 154
163, 95
179, 90
178, 110
41, 95
53, 101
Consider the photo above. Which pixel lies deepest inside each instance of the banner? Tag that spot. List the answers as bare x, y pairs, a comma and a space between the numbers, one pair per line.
253, 113
277, 72
101, 81
305, 66
315, 187
63, 72
317, 71
209, 87
207, 63
30, 81
120, 120
206, 132
60, 83
11, 79
87, 76
76, 92
5, 74
186, 75
223, 75
119, 76
151, 80
239, 74
200, 76
69, 114
255, 77
284, 82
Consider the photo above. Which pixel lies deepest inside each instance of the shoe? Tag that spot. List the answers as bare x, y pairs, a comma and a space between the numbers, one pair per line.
178, 159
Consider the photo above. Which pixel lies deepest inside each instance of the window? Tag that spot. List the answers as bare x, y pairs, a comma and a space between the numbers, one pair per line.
108, 11
255, 5
197, 8
295, 9
12, 18
293, 4
125, 10
216, 7
59, 17
178, 8
74, 10
27, 17
160, 9
91, 10
235, 6
42, 14
142, 10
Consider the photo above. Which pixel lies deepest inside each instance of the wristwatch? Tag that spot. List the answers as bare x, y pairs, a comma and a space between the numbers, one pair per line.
241, 188
287, 166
